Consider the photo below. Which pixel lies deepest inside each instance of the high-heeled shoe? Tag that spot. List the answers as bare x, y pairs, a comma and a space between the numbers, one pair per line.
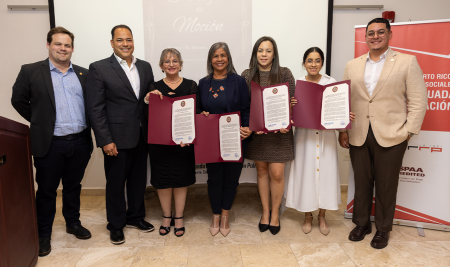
307, 228
264, 227
223, 222
175, 230
214, 229
275, 229
324, 230
166, 228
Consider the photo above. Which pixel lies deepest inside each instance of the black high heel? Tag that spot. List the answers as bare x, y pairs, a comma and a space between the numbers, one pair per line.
175, 230
264, 227
275, 229
166, 228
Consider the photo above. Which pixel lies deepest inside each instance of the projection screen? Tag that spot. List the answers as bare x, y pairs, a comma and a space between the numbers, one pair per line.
192, 26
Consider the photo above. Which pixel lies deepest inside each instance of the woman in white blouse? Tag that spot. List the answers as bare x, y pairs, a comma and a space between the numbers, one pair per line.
314, 174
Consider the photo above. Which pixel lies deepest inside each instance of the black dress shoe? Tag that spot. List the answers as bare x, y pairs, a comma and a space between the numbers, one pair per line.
359, 232
142, 226
380, 240
79, 231
117, 237
275, 229
44, 246
263, 227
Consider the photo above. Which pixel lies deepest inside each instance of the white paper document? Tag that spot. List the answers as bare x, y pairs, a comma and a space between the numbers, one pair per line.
276, 107
335, 107
183, 127
230, 137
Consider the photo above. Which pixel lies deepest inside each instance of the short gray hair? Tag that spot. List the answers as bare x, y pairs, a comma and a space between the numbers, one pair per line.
212, 50
172, 51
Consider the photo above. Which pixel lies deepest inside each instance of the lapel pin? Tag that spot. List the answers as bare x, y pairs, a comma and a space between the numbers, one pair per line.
81, 73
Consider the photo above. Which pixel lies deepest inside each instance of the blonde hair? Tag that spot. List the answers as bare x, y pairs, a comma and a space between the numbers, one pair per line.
172, 51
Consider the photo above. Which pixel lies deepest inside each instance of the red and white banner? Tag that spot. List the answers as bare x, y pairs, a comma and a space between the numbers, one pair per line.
423, 198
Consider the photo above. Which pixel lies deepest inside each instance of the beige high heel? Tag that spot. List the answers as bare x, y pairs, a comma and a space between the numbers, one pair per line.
224, 220
307, 228
214, 228
324, 230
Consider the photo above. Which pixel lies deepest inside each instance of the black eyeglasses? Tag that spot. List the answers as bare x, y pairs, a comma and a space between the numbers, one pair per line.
380, 33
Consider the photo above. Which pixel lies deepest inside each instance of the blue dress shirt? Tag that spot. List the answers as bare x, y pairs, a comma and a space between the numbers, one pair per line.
69, 101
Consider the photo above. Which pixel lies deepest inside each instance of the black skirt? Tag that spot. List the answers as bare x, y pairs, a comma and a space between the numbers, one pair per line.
171, 166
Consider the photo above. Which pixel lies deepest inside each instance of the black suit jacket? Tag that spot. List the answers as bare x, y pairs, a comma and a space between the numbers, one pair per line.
237, 96
115, 112
33, 97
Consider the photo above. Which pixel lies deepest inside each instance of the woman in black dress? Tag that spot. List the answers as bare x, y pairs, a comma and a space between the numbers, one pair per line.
172, 167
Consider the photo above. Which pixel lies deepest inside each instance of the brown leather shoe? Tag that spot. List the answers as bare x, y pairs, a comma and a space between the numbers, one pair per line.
380, 240
359, 232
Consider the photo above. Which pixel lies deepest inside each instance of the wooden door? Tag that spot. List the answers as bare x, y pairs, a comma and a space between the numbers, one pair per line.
19, 243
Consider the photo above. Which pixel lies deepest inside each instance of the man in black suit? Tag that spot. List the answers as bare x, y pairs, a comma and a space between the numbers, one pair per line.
116, 88
50, 95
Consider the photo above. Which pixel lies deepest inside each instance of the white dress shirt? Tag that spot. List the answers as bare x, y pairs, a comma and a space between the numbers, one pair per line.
132, 74
372, 71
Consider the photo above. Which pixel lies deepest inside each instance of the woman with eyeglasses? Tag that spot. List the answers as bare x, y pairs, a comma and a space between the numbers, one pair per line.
223, 91
172, 167
270, 151
314, 174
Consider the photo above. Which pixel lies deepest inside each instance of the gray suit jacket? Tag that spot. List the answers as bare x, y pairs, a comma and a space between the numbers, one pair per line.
115, 112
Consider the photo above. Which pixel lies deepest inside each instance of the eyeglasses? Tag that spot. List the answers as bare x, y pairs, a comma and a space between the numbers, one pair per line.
311, 61
380, 33
168, 62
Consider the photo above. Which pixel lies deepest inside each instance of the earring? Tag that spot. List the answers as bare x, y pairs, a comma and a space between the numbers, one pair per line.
162, 71
181, 70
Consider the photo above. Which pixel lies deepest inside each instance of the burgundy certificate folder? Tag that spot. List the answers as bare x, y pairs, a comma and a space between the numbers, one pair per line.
207, 148
160, 119
257, 108
308, 110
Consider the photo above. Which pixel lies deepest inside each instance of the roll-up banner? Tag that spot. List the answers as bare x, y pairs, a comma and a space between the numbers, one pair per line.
423, 198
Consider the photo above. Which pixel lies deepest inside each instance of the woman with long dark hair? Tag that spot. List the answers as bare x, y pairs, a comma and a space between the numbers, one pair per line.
223, 91
270, 151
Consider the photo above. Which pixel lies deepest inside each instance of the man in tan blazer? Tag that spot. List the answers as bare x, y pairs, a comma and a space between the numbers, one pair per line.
389, 98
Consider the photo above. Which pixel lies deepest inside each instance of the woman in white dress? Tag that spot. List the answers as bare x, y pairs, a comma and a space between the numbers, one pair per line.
314, 174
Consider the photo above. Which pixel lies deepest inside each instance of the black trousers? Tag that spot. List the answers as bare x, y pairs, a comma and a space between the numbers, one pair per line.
377, 166
223, 180
66, 161
130, 167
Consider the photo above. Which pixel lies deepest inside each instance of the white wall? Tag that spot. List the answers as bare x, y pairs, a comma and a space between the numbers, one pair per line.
25, 41
344, 35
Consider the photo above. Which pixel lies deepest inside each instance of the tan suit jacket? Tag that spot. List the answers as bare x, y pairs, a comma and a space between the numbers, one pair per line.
401, 80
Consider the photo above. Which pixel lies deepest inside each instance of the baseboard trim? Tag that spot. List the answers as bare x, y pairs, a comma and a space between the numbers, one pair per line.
101, 191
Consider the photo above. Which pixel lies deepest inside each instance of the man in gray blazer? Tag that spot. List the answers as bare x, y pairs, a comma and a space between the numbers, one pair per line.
116, 88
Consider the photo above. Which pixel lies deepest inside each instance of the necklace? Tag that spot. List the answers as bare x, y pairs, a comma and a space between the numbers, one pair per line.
215, 94
167, 81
